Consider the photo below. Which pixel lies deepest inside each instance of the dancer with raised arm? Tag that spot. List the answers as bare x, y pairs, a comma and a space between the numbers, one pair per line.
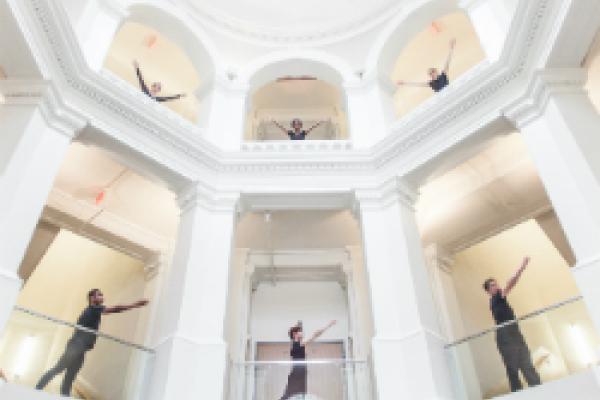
296, 133
155, 87
509, 339
83, 341
297, 384
438, 81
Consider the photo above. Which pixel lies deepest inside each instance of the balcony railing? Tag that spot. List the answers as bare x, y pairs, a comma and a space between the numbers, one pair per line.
32, 344
560, 340
324, 379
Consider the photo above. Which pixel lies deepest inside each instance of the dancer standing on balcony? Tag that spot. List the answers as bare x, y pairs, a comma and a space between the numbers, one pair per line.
509, 339
296, 133
82, 341
297, 378
155, 87
438, 81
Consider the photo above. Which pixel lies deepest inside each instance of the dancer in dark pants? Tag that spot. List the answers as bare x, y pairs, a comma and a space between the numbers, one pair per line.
509, 339
82, 341
296, 133
155, 87
297, 384
438, 81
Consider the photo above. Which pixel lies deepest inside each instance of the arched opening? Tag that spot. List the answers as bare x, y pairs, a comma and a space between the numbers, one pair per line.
431, 48
301, 89
167, 52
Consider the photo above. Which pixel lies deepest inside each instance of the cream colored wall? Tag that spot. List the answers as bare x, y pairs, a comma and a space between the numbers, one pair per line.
58, 287
546, 281
430, 49
162, 62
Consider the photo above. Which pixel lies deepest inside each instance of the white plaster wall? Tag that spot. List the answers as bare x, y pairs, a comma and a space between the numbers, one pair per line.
275, 308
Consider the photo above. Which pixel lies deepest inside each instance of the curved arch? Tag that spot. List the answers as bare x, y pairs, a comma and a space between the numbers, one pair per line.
399, 32
174, 26
321, 65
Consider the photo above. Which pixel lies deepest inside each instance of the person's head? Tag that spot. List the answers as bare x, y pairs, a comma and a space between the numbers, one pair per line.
490, 285
155, 88
433, 73
95, 297
296, 333
296, 124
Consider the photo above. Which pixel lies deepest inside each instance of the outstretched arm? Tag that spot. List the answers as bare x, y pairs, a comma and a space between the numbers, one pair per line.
404, 83
510, 284
277, 124
121, 308
319, 333
141, 78
162, 99
450, 54
314, 126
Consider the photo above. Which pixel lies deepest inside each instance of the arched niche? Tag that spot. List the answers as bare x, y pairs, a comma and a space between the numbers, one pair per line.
168, 51
287, 86
430, 49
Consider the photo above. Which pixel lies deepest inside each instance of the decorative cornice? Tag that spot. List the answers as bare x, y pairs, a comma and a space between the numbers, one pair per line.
183, 141
198, 194
543, 85
392, 191
43, 94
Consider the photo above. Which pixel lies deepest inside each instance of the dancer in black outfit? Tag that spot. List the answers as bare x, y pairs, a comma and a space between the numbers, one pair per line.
81, 341
509, 339
296, 133
438, 81
155, 87
297, 378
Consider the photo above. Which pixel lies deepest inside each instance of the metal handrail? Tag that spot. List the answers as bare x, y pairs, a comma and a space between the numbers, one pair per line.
325, 361
514, 321
83, 328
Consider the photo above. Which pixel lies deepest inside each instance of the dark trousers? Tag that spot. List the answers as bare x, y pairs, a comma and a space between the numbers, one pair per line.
71, 361
516, 357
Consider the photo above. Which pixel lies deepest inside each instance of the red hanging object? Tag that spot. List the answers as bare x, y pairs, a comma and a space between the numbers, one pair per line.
150, 41
100, 197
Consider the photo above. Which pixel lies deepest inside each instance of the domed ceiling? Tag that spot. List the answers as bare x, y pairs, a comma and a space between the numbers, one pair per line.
292, 20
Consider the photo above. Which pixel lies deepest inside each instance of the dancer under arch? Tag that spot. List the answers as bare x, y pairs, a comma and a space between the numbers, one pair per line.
297, 384
155, 87
438, 81
296, 133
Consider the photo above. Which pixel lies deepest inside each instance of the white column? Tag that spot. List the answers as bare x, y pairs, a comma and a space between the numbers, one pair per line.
370, 109
222, 112
408, 354
491, 20
562, 130
191, 357
440, 264
35, 137
97, 27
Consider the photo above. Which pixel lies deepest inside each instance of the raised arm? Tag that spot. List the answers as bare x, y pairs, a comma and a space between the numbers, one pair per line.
510, 284
277, 124
162, 99
314, 126
450, 54
143, 86
319, 333
121, 308
420, 84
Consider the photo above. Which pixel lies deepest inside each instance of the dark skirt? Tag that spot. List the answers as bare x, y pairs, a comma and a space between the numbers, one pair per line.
296, 382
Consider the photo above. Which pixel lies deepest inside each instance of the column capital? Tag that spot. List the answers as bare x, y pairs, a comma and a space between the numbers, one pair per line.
44, 95
543, 85
391, 191
198, 194
440, 257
